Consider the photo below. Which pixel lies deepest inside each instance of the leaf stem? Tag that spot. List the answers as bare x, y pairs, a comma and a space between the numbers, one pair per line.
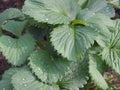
79, 22
111, 78
113, 5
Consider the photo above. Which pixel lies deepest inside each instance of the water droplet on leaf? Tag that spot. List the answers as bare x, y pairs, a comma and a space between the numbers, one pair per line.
85, 82
86, 8
107, 9
25, 85
93, 13
98, 31
82, 86
31, 9
46, 19
87, 77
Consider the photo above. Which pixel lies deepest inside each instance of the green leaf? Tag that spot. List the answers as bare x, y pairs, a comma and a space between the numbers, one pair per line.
17, 50
82, 3
96, 5
47, 68
96, 18
85, 15
94, 69
100, 18
5, 83
52, 11
15, 27
112, 58
101, 22
72, 42
9, 73
39, 30
11, 13
111, 52
77, 75
24, 80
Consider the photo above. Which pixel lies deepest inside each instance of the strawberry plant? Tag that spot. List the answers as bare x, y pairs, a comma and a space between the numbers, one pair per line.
60, 45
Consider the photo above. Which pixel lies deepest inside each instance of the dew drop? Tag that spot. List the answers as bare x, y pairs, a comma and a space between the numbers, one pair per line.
23, 79
46, 19
5, 22
69, 34
98, 31
31, 9
47, 66
107, 9
87, 77
25, 85
91, 25
43, 15
82, 86
85, 82
93, 13
9, 41
3, 88
86, 8
103, 28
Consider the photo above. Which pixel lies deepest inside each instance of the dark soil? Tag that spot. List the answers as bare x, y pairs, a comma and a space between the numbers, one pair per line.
117, 13
3, 64
5, 4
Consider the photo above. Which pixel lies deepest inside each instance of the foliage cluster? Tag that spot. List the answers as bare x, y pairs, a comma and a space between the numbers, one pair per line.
60, 45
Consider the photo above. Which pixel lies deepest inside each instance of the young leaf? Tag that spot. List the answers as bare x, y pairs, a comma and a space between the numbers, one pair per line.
51, 11
24, 80
47, 68
17, 50
72, 42
94, 65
